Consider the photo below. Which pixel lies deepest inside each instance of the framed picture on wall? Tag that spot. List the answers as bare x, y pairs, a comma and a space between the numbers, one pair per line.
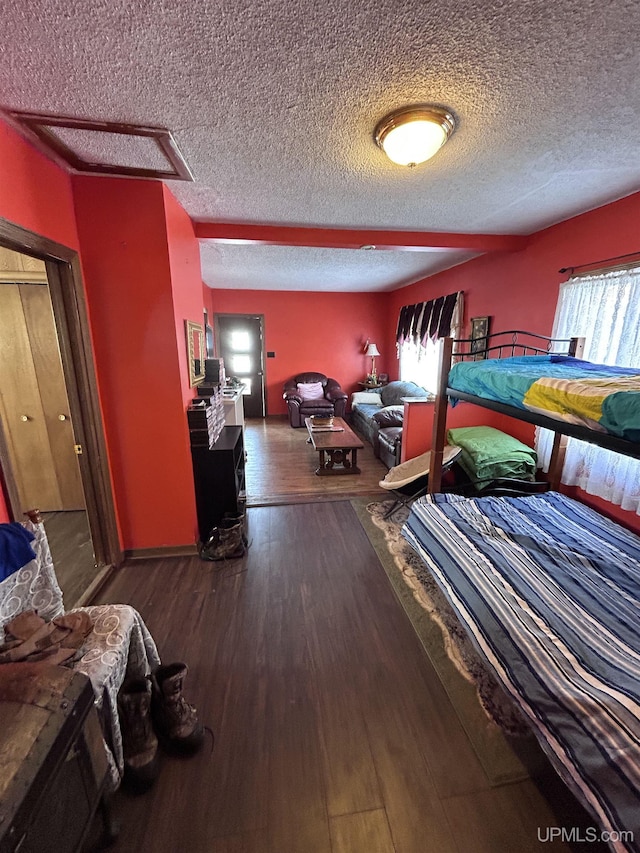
194, 333
479, 333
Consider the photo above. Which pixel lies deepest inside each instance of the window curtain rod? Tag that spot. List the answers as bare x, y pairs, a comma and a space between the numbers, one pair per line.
598, 265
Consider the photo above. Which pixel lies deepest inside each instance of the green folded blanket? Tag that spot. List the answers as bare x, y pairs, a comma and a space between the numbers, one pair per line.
489, 454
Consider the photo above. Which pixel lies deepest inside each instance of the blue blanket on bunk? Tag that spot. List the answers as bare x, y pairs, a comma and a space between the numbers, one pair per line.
598, 396
550, 593
15, 548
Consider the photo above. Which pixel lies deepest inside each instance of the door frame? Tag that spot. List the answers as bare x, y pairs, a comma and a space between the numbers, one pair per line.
72, 326
247, 316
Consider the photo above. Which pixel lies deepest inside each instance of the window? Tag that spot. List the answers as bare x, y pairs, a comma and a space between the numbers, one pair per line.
605, 309
419, 364
241, 364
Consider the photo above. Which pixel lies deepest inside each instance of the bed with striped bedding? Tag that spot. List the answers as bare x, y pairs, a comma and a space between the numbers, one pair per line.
549, 591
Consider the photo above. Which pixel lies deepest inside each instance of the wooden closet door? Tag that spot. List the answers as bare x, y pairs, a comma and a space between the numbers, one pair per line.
33, 402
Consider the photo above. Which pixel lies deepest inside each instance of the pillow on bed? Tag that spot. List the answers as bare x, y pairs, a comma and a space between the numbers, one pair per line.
489, 454
369, 398
311, 390
389, 416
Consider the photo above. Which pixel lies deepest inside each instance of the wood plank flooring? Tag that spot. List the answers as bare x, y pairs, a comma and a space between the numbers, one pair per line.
281, 467
333, 733
72, 552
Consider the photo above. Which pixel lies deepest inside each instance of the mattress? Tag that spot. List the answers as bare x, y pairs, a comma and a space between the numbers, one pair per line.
598, 396
549, 591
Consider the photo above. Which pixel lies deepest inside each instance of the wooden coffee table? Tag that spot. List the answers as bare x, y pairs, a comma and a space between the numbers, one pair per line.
338, 449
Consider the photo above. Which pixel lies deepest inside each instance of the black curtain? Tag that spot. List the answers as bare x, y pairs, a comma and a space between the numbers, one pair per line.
424, 320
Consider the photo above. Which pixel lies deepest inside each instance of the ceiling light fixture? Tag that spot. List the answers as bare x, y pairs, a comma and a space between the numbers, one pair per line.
411, 135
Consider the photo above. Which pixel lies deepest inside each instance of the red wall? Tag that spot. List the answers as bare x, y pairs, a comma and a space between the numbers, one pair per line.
311, 331
124, 231
142, 276
186, 282
520, 290
36, 195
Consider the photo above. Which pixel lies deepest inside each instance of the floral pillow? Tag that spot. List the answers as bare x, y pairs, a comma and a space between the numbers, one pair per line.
311, 390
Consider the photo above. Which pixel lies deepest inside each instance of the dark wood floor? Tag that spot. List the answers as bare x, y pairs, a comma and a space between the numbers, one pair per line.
333, 733
281, 467
72, 552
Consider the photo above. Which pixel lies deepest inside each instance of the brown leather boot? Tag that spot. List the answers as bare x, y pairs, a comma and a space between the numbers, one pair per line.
139, 743
176, 722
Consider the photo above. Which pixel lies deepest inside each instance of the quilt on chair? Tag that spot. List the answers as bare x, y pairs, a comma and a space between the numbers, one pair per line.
119, 646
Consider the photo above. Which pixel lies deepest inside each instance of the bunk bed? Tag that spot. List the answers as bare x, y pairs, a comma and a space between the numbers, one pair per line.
500, 376
548, 589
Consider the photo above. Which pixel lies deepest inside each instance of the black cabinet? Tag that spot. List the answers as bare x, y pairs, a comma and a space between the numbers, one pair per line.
218, 475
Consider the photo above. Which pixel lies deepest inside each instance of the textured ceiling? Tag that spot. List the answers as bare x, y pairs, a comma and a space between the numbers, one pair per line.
273, 105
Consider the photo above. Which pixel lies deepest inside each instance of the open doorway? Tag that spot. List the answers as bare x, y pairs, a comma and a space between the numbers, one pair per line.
52, 452
239, 342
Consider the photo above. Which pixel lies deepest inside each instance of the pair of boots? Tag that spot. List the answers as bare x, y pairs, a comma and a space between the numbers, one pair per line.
227, 541
154, 710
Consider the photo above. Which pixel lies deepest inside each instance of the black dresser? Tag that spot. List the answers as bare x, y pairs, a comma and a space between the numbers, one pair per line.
219, 478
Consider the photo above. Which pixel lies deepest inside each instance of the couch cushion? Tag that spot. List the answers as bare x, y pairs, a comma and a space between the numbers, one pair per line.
316, 407
390, 435
367, 398
310, 390
362, 420
391, 394
389, 416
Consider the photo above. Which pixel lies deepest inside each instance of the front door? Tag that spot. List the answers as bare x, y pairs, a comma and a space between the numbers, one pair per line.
238, 341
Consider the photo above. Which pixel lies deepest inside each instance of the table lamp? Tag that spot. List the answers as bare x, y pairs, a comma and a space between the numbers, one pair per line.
372, 350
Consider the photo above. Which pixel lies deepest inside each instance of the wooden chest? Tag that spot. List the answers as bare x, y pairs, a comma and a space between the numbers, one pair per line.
53, 764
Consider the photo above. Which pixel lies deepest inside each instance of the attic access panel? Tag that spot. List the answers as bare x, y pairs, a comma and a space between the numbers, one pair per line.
108, 148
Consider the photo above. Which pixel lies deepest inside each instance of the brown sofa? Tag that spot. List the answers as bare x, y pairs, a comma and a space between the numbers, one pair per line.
378, 418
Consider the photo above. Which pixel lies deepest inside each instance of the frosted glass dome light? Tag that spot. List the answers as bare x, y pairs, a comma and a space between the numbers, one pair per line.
413, 135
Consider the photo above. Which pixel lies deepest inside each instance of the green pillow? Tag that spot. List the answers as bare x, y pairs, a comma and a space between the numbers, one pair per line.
489, 454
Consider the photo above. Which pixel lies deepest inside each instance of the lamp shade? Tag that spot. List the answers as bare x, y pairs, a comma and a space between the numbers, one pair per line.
372, 349
414, 134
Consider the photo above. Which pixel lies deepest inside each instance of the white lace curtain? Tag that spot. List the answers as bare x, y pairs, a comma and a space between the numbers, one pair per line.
419, 359
605, 309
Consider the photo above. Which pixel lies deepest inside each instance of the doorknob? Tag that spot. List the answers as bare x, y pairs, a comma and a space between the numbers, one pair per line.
62, 417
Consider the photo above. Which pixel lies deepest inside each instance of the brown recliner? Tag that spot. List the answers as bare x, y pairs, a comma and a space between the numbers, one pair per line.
333, 401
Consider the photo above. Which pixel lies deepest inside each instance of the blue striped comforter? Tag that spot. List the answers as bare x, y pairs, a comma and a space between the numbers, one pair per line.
550, 592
